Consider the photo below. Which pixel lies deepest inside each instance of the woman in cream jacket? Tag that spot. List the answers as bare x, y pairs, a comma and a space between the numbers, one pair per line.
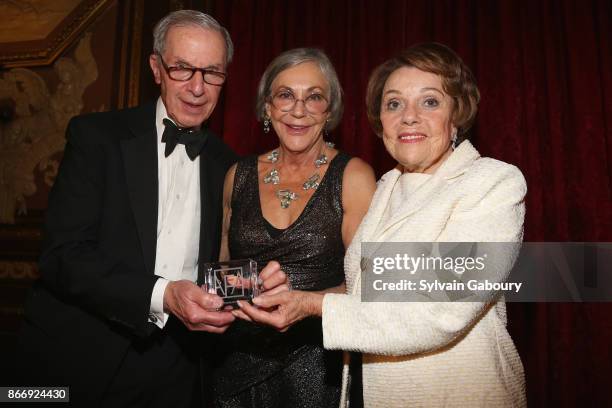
424, 353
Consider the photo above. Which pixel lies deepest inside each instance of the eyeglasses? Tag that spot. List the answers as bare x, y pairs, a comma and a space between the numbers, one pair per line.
314, 103
182, 73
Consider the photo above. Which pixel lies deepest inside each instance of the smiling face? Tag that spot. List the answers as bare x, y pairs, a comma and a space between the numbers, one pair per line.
299, 129
416, 117
189, 103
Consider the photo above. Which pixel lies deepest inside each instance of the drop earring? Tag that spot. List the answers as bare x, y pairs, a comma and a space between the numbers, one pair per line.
266, 125
454, 139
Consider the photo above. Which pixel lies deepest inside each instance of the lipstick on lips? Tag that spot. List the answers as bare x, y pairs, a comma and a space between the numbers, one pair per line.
296, 130
411, 137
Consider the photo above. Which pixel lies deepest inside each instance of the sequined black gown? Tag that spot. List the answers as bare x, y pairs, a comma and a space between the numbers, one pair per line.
257, 366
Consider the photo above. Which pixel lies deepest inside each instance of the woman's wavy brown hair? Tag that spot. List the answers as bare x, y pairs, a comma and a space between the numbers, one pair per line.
457, 81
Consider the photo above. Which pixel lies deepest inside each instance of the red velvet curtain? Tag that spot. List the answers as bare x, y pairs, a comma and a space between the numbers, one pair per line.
544, 69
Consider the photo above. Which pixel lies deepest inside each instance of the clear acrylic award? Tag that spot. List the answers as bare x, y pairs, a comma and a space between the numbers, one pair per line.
232, 280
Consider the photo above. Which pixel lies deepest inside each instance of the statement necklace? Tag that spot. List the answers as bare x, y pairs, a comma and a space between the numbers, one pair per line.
286, 196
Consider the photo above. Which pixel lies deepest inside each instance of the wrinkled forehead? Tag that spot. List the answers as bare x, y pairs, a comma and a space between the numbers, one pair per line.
412, 79
304, 76
193, 43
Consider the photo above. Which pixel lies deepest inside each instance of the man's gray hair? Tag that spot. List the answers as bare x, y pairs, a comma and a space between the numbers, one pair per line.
182, 18
290, 59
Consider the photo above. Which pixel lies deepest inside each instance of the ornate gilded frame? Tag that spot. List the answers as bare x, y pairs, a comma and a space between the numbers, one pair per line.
44, 51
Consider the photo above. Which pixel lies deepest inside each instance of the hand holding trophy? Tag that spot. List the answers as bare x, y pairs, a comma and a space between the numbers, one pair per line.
236, 280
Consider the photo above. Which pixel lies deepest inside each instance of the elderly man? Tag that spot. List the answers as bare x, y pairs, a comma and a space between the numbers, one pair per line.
135, 208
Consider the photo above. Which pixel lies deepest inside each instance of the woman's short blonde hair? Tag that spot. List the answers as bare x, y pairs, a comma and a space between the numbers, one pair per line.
457, 81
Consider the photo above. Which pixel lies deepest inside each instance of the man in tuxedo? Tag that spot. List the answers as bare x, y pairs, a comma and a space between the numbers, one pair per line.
135, 208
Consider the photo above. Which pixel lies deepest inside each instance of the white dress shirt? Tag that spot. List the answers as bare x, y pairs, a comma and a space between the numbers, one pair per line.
178, 219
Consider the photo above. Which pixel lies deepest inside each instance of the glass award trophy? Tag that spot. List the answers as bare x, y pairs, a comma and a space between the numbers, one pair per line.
231, 280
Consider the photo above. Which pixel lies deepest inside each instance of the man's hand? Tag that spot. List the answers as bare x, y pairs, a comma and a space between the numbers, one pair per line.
197, 309
281, 310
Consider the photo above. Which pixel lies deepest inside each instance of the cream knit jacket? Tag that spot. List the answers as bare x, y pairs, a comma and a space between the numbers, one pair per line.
434, 354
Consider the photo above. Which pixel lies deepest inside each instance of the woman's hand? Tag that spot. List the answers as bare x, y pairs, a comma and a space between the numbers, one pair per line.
281, 310
272, 279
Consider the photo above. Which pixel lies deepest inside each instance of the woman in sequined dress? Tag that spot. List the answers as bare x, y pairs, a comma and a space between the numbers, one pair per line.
300, 205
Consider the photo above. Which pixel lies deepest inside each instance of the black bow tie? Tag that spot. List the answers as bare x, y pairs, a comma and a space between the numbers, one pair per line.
194, 140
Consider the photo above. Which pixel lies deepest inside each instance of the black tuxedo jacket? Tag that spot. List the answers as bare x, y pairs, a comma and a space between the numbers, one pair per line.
97, 265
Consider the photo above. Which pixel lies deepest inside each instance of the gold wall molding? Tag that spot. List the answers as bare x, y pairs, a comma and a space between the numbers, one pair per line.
37, 132
24, 52
36, 108
18, 271
20, 233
